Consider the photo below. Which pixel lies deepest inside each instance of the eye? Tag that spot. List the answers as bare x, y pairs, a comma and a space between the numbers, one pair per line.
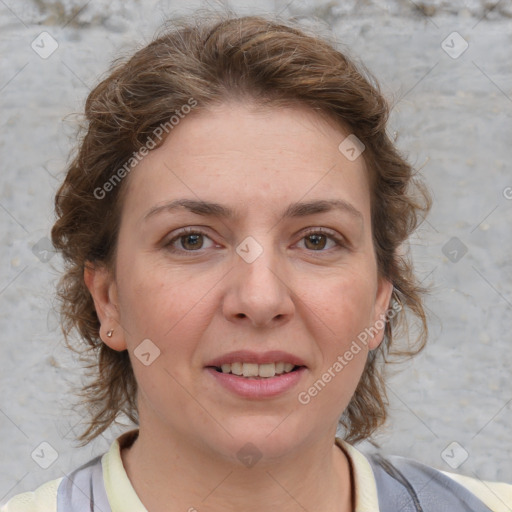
190, 239
316, 239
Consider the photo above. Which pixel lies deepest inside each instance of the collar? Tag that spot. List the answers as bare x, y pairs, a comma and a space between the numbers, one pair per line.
122, 495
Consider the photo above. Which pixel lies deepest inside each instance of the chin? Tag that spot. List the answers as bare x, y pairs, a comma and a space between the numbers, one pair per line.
262, 436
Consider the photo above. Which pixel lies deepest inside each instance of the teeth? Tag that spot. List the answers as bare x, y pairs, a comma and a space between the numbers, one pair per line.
257, 370
236, 368
267, 370
250, 370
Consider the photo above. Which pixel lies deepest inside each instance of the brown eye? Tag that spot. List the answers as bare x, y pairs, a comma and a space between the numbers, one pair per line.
317, 240
187, 240
192, 241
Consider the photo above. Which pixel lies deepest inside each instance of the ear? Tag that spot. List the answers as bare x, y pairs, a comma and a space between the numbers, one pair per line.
382, 299
103, 289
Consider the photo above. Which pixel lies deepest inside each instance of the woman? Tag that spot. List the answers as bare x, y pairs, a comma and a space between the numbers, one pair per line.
233, 226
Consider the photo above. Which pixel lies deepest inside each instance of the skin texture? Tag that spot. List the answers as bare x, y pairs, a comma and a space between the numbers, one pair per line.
199, 303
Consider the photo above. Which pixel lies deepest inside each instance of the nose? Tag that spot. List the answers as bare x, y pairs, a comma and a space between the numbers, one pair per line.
259, 292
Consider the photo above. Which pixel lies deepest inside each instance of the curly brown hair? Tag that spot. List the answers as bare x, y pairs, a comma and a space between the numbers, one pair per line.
213, 59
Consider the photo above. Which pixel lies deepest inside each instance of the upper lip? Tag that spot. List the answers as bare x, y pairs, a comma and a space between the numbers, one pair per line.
246, 356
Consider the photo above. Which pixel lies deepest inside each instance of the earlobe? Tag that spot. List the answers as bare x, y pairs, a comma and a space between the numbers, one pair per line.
103, 289
383, 298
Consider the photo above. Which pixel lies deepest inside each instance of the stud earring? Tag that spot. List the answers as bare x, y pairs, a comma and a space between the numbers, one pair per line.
109, 333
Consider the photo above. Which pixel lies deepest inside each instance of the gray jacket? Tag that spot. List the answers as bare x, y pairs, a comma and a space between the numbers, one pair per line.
403, 485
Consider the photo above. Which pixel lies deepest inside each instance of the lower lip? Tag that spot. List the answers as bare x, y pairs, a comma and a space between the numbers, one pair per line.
258, 388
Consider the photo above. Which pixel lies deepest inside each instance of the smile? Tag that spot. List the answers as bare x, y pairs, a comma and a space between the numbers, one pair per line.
257, 387
253, 370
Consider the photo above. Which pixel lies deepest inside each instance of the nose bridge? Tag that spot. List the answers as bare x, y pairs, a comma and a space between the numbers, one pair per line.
258, 286
259, 262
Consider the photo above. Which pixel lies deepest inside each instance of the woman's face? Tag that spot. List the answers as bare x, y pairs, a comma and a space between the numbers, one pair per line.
269, 273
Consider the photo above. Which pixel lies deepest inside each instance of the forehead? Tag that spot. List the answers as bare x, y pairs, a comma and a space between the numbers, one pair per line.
239, 156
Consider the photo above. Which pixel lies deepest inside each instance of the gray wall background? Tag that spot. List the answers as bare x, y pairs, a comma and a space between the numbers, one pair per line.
453, 117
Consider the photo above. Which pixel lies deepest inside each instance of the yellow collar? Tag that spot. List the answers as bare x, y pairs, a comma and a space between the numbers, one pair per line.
122, 495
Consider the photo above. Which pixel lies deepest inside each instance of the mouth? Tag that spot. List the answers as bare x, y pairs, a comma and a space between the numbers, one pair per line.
257, 375
257, 381
257, 371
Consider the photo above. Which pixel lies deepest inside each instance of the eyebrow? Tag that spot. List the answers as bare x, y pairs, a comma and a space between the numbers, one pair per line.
294, 210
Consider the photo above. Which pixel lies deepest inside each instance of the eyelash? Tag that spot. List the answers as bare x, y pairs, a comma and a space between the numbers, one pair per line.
193, 231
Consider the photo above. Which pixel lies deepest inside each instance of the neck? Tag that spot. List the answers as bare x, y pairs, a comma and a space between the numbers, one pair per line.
169, 470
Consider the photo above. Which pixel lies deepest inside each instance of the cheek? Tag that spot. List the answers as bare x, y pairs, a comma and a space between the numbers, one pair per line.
142, 310
163, 304
344, 301
342, 313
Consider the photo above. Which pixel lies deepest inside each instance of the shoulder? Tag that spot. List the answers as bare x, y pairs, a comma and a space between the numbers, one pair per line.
496, 495
43, 499
400, 476
81, 487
